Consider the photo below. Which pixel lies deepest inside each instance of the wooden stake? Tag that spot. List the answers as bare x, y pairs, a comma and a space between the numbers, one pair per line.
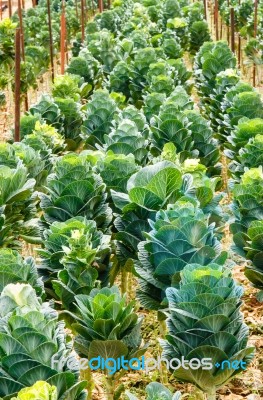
255, 34
50, 40
17, 83
228, 25
239, 45
101, 6
216, 19
82, 21
205, 9
10, 8
1, 5
109, 4
62, 39
232, 23
256, 18
20, 16
239, 51
86, 10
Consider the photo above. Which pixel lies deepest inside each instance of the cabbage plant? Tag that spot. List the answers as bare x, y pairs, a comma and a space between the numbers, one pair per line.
204, 321
47, 110
39, 391
181, 235
17, 207
72, 121
245, 130
253, 251
98, 118
211, 59
247, 204
75, 257
116, 169
11, 154
14, 268
47, 142
248, 228
156, 391
188, 131
224, 81
86, 67
246, 145
34, 346
244, 104
139, 69
67, 86
107, 327
118, 80
151, 189
75, 190
105, 49
199, 34
126, 139
250, 156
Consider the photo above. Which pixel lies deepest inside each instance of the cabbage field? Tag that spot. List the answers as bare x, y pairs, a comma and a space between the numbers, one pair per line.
131, 200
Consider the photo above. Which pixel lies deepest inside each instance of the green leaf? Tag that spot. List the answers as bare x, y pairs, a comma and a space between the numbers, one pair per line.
107, 349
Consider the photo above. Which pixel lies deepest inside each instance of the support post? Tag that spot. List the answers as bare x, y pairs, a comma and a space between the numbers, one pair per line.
17, 83
101, 6
50, 40
239, 51
205, 9
82, 21
228, 25
10, 13
255, 35
232, 23
239, 45
63, 38
216, 19
20, 16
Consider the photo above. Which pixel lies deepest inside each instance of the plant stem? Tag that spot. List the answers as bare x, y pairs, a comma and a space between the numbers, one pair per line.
162, 328
109, 387
87, 376
130, 295
90, 384
124, 281
163, 370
